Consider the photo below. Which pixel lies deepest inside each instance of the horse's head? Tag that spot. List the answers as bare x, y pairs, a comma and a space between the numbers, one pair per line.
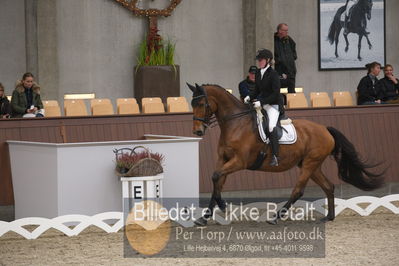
202, 109
368, 6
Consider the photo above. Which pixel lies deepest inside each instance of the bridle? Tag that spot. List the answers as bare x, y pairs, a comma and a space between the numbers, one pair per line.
208, 120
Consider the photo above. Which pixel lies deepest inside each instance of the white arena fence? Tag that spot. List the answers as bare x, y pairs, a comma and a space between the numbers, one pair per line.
99, 220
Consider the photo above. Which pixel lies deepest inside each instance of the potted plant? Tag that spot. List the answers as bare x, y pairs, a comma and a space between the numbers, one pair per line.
134, 163
156, 74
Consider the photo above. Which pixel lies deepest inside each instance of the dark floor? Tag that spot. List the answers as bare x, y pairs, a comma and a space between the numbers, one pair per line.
343, 191
7, 213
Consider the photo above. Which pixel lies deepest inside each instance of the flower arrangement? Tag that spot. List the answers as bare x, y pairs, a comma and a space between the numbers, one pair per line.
154, 51
134, 163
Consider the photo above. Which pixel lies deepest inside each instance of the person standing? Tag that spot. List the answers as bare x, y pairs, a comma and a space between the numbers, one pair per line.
388, 87
247, 85
26, 97
5, 107
268, 96
285, 55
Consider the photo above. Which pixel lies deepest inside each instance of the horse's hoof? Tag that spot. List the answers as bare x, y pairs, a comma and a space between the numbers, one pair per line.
326, 219
201, 222
360, 59
370, 47
346, 49
222, 206
273, 222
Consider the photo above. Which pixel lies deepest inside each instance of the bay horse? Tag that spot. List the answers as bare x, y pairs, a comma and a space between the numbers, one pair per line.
357, 24
239, 145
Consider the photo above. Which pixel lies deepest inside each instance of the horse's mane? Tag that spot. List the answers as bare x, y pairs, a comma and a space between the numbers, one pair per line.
231, 96
243, 107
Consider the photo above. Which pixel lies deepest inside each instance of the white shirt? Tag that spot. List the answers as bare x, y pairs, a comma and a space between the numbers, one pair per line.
263, 70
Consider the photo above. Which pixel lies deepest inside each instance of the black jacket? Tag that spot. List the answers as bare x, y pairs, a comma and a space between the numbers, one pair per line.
367, 91
285, 55
5, 107
246, 87
387, 89
267, 89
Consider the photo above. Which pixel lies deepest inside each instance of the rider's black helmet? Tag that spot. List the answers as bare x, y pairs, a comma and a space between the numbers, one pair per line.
264, 54
253, 69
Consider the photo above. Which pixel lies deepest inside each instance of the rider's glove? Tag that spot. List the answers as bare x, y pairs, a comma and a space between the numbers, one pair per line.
257, 104
247, 99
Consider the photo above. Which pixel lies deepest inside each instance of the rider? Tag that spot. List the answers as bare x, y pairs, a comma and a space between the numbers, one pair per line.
267, 95
349, 4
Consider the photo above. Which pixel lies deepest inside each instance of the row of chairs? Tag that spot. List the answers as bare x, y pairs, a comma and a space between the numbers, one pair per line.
179, 104
319, 99
124, 106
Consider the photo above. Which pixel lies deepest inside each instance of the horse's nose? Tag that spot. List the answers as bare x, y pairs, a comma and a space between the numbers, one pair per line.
199, 133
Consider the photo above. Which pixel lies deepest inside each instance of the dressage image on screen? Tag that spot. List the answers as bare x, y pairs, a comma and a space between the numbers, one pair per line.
351, 33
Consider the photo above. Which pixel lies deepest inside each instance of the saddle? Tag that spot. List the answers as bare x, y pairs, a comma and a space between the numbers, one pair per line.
285, 129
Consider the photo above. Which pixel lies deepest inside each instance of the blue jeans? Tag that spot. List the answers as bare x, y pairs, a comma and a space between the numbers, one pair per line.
372, 103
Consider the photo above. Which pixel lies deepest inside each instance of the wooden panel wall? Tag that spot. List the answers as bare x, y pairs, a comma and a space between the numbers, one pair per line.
373, 130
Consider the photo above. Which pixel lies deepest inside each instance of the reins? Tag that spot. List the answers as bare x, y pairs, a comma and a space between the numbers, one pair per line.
238, 115
209, 121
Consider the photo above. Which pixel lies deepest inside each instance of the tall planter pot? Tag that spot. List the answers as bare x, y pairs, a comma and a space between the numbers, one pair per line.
157, 81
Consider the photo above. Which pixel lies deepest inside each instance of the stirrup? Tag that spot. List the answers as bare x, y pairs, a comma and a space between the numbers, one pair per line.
346, 31
274, 161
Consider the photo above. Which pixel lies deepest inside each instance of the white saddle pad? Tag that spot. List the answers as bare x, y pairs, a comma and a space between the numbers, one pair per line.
289, 132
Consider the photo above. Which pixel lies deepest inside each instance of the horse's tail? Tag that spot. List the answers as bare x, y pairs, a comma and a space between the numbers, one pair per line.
335, 26
351, 168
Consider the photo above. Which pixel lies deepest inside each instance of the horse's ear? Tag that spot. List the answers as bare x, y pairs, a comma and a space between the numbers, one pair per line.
200, 89
191, 87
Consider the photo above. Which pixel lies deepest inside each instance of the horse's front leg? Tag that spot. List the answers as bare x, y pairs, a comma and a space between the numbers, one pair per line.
368, 41
218, 179
359, 47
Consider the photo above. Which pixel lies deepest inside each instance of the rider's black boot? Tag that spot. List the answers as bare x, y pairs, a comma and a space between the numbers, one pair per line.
346, 23
274, 146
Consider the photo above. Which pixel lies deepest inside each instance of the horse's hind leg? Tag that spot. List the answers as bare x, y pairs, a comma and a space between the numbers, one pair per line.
308, 167
347, 42
337, 41
319, 178
336, 47
359, 46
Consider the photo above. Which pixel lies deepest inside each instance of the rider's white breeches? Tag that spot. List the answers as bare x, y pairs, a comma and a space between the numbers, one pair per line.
273, 114
350, 4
